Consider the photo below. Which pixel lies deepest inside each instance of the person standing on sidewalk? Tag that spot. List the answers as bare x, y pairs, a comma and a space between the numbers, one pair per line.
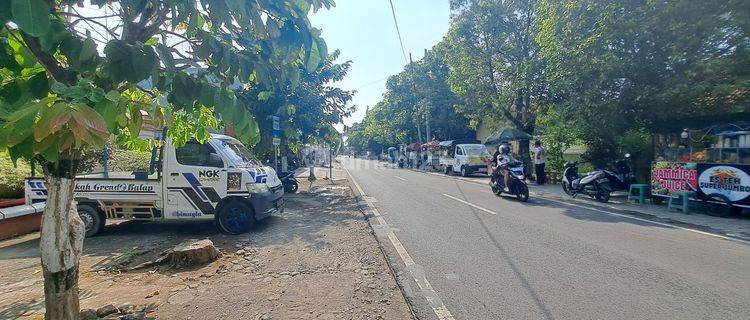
540, 157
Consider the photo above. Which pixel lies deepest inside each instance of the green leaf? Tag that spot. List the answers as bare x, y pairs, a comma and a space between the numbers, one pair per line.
265, 95
31, 16
129, 62
20, 125
88, 51
21, 150
23, 56
166, 56
152, 41
39, 85
54, 36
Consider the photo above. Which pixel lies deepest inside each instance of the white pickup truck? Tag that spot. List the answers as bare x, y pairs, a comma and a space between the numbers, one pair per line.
219, 180
464, 157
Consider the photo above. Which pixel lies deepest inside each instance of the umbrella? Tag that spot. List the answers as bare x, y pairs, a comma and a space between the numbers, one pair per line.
392, 149
413, 146
431, 145
507, 135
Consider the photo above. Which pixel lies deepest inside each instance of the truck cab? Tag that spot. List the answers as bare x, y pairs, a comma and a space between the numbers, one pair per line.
219, 180
463, 157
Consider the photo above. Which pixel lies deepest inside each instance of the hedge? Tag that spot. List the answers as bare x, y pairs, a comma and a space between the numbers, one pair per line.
12, 177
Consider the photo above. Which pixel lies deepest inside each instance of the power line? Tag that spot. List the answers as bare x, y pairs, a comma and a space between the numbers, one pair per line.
400, 40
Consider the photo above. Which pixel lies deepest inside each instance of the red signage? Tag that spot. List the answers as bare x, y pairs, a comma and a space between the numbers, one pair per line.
670, 177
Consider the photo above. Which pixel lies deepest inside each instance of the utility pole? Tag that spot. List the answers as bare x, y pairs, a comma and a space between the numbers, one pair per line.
427, 112
419, 116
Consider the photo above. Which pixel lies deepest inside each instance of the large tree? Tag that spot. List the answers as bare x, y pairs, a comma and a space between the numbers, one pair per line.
495, 65
622, 69
418, 104
73, 75
307, 111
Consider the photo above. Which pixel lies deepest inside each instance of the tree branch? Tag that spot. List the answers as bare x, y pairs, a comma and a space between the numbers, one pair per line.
48, 61
89, 21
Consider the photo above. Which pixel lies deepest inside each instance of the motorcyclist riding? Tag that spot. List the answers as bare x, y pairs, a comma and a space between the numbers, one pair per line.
503, 159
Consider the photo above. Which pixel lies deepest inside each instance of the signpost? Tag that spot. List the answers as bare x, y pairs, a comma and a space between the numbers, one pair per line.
276, 129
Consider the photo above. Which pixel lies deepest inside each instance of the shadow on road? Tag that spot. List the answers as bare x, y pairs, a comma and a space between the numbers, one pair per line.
521, 278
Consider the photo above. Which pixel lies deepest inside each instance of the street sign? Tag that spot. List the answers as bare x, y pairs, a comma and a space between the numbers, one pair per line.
276, 126
276, 141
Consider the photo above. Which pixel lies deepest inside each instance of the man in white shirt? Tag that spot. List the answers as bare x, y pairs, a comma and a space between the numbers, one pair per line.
540, 157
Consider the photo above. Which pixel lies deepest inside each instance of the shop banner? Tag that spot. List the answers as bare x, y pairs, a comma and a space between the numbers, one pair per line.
730, 180
670, 177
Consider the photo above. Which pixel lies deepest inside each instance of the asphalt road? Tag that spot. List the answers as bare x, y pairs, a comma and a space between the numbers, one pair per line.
477, 256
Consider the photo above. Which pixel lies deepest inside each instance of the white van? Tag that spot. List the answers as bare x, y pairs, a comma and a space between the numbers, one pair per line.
463, 158
219, 180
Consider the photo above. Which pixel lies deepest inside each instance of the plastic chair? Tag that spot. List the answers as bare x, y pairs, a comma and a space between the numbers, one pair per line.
680, 201
641, 191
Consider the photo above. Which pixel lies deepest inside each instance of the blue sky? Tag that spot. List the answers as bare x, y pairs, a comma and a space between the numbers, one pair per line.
364, 32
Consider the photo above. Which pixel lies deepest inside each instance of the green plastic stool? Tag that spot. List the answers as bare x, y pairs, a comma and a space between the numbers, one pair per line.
641, 191
680, 201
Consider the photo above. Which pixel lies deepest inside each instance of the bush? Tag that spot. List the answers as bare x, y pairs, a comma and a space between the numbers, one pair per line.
12, 177
129, 160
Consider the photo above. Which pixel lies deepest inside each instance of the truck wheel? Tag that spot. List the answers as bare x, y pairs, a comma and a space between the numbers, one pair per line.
92, 219
291, 187
235, 217
464, 172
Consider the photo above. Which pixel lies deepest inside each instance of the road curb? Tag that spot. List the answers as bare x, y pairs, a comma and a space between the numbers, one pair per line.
391, 269
623, 212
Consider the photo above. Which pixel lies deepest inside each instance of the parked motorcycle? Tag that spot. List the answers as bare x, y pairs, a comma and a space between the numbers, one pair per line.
598, 184
289, 182
517, 185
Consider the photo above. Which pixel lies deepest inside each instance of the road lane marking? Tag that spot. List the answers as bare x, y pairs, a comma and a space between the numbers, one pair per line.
594, 208
470, 204
651, 221
397, 177
437, 305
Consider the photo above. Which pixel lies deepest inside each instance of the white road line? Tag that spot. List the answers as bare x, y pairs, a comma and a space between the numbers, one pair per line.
470, 204
593, 208
651, 221
441, 311
397, 177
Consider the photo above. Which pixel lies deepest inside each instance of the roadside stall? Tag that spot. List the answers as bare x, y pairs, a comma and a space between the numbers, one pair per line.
506, 136
433, 157
711, 165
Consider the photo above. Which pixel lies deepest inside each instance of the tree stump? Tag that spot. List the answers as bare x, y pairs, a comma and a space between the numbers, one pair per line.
187, 254
192, 253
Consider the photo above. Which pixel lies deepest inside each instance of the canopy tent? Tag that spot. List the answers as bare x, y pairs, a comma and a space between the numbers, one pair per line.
511, 134
413, 146
452, 143
431, 145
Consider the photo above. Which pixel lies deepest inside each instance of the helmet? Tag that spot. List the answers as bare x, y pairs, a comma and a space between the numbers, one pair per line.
505, 149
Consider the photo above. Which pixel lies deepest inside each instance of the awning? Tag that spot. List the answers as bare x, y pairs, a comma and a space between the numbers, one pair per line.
413, 146
511, 134
431, 145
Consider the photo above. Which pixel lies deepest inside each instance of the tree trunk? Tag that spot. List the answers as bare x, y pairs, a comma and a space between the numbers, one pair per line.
61, 245
523, 153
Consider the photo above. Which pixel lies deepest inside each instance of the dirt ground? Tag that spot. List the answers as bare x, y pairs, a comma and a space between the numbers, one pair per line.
318, 260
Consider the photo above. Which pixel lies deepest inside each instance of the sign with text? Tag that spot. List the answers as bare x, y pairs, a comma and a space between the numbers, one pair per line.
670, 177
276, 126
729, 180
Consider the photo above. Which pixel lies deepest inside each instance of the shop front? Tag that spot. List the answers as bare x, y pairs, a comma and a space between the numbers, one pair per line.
713, 164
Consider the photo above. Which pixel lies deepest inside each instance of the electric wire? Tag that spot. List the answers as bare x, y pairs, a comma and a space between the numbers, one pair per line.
398, 31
